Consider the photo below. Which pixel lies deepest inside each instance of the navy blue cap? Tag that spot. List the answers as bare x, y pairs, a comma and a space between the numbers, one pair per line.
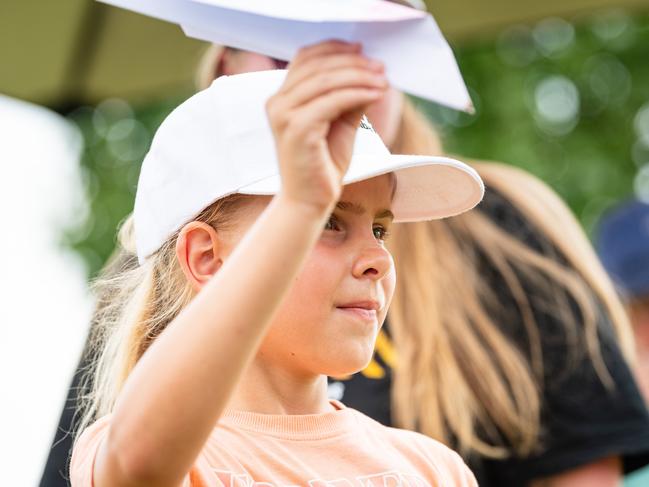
622, 242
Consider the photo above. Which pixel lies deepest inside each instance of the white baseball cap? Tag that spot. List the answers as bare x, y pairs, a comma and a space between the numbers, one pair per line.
219, 142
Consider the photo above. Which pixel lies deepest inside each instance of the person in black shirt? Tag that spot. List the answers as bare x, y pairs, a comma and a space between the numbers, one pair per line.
506, 339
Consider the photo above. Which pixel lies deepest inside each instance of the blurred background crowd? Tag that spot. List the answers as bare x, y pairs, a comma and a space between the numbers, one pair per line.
560, 89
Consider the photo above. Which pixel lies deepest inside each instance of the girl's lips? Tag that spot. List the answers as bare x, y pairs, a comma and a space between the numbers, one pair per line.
362, 313
366, 304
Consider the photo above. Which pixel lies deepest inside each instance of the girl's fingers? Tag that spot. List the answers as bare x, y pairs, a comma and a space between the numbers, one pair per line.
341, 136
329, 107
324, 48
298, 73
324, 82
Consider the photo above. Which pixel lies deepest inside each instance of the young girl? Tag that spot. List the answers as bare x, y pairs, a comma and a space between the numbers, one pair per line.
213, 371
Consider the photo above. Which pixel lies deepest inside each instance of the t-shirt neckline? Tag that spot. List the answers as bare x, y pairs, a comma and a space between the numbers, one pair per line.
294, 426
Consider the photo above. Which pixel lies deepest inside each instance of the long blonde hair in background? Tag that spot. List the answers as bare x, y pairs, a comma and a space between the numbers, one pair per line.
458, 374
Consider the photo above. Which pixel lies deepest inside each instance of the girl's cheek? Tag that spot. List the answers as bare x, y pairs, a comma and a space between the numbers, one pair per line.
325, 259
331, 239
389, 283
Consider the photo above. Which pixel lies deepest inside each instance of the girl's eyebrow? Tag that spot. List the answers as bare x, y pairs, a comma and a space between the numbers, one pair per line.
357, 209
350, 207
385, 214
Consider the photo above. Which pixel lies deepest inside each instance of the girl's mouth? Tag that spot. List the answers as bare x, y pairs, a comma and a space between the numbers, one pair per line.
365, 310
364, 314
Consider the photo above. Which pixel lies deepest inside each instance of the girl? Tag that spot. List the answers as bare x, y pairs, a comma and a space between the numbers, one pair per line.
213, 369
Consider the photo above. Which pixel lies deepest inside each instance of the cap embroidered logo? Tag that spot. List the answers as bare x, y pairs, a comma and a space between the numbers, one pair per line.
365, 124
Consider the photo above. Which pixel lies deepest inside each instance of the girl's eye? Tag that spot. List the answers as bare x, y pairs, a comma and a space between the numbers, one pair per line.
332, 224
380, 232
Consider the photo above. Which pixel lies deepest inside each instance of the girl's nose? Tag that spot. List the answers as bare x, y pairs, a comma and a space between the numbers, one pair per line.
374, 261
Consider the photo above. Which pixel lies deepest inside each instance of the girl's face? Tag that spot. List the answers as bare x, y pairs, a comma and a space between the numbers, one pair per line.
329, 321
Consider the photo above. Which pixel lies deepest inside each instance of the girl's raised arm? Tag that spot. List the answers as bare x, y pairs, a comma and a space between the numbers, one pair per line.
178, 390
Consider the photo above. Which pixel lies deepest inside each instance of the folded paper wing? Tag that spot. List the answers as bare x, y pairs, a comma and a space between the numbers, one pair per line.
418, 59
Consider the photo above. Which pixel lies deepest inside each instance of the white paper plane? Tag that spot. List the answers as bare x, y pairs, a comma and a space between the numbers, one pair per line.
417, 58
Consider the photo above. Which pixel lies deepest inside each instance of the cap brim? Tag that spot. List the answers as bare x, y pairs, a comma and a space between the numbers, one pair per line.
428, 187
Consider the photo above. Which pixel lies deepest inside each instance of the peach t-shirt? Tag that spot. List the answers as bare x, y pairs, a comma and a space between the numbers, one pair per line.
343, 448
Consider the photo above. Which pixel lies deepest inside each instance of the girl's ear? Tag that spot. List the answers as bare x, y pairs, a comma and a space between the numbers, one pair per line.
198, 250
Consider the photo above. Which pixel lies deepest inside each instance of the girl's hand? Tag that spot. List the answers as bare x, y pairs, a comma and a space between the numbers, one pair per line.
314, 117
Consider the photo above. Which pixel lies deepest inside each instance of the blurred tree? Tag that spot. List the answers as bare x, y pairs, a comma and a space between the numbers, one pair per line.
116, 139
561, 101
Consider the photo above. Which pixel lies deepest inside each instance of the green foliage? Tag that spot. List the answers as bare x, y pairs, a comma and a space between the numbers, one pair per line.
561, 102
116, 139
569, 103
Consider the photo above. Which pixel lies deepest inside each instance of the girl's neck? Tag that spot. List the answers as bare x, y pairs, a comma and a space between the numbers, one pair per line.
269, 389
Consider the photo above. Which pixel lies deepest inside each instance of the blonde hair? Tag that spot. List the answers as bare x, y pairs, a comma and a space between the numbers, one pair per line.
134, 304
209, 66
460, 378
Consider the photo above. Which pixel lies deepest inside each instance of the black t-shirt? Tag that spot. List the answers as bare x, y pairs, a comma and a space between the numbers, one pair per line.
581, 420
56, 473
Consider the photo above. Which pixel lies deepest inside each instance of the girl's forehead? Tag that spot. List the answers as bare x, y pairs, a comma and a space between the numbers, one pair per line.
376, 191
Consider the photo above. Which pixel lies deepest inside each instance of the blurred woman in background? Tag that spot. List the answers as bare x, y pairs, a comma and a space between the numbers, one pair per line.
509, 343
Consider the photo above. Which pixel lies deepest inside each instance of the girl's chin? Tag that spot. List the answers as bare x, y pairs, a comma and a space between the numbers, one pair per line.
346, 366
